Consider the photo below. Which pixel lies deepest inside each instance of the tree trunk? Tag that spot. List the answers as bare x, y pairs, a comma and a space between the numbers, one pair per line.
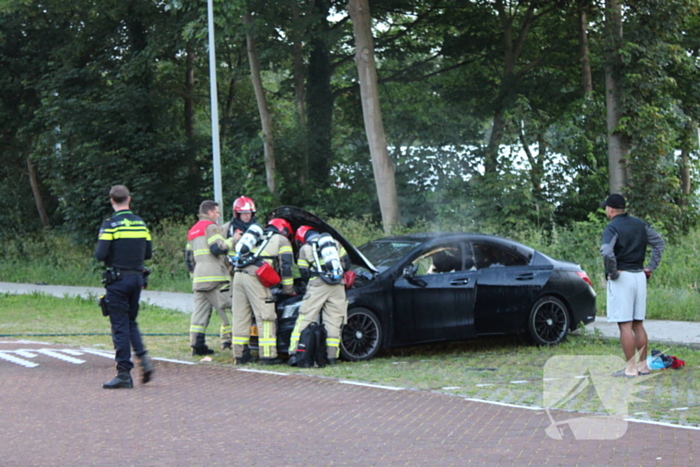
586, 79
36, 190
691, 139
265, 115
383, 167
618, 147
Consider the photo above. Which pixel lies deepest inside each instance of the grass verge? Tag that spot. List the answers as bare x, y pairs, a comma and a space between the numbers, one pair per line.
505, 369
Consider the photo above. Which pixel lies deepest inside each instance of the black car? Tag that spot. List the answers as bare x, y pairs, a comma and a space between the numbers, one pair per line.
431, 287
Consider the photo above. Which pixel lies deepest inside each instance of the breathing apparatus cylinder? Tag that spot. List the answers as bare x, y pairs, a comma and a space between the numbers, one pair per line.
329, 253
245, 245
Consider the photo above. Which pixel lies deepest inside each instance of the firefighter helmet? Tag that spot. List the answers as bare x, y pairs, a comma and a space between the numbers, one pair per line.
283, 227
300, 236
243, 205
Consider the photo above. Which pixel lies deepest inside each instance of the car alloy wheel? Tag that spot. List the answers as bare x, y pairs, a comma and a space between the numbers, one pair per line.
361, 336
548, 322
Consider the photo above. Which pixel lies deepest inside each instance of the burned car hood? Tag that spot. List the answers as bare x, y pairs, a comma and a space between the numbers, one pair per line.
298, 217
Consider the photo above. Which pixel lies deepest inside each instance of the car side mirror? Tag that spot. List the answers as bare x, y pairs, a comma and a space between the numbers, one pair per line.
410, 271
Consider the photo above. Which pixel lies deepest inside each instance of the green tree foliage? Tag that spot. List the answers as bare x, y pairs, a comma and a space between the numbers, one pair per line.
482, 102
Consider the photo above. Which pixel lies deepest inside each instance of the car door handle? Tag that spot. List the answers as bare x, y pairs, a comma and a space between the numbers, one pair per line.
464, 281
525, 277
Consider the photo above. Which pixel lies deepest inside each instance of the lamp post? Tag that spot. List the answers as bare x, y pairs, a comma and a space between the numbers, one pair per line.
216, 149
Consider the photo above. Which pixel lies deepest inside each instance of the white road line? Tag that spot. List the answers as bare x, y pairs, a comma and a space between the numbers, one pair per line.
19, 361
57, 354
671, 425
169, 360
390, 388
101, 353
25, 353
263, 371
504, 404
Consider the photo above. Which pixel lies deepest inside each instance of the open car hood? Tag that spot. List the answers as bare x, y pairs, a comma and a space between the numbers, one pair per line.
298, 217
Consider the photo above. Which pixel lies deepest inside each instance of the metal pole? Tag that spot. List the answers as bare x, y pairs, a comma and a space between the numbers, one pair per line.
216, 150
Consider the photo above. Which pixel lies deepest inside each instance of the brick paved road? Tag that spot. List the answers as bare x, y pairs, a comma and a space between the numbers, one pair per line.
57, 414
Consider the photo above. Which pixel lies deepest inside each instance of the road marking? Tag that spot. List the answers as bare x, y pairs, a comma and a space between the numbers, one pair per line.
354, 383
651, 422
57, 354
5, 355
19, 356
534, 407
262, 371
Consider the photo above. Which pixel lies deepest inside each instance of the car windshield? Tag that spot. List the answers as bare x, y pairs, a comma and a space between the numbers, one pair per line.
383, 254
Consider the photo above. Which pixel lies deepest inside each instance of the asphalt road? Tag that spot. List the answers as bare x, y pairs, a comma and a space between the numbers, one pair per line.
54, 412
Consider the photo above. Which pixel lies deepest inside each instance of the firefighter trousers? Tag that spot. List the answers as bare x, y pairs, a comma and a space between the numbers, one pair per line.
204, 301
251, 300
330, 302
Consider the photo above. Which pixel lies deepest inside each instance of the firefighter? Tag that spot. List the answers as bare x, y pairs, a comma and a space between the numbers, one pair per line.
268, 262
243, 210
123, 244
243, 216
206, 261
325, 292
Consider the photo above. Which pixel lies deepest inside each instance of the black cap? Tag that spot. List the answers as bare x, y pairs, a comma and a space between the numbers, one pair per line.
615, 201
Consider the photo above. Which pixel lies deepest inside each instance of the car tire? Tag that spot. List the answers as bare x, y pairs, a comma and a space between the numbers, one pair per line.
361, 336
548, 323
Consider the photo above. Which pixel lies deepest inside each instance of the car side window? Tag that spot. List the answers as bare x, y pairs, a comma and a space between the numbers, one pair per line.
492, 256
439, 260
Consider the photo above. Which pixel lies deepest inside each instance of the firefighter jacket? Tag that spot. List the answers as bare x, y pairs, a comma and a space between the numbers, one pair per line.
278, 254
124, 242
231, 228
310, 270
206, 255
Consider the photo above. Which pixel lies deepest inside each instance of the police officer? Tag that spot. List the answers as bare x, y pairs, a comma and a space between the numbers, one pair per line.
272, 253
123, 244
205, 257
321, 296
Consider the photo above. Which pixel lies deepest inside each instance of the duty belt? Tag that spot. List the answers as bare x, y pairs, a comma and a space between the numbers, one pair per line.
131, 272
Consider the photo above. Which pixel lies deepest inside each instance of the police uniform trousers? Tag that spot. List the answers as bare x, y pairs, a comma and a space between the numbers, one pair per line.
122, 300
328, 300
252, 299
204, 300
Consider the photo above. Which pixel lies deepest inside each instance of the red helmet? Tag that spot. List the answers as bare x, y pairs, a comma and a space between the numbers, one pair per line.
243, 205
300, 236
284, 227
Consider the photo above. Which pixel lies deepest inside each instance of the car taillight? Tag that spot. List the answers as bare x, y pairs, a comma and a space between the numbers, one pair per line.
585, 277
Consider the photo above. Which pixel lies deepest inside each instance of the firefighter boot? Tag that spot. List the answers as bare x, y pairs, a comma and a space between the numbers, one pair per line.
199, 347
270, 361
246, 357
122, 380
147, 368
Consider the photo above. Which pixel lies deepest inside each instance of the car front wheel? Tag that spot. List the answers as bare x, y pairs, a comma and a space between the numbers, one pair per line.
361, 336
548, 322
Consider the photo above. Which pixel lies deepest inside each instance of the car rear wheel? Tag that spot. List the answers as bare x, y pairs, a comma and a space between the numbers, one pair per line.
361, 336
548, 322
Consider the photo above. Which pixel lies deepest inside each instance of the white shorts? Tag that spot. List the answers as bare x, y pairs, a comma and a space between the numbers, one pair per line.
627, 297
